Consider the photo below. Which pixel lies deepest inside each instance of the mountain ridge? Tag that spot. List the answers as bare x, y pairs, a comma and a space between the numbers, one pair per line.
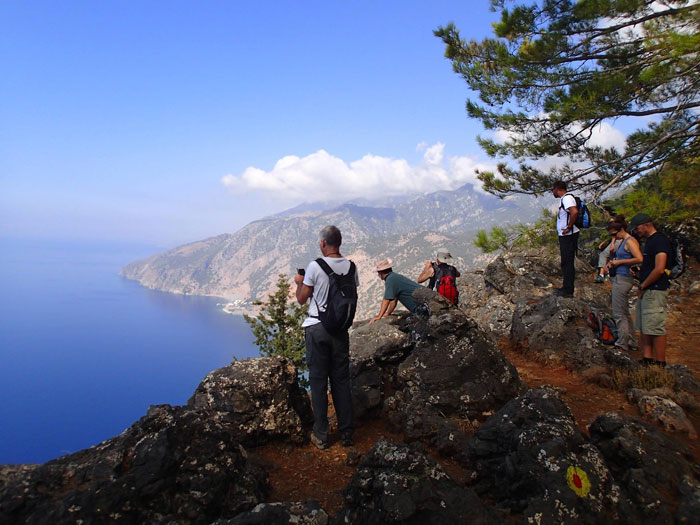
242, 267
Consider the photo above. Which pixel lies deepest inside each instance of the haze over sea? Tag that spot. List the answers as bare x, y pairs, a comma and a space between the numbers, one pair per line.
84, 352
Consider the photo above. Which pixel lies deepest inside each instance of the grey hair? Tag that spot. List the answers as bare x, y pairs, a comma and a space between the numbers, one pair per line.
331, 234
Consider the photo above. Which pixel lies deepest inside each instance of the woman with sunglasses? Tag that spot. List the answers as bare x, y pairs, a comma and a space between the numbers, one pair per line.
627, 254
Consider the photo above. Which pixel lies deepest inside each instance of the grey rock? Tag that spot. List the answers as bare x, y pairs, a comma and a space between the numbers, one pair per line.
551, 329
374, 350
383, 341
281, 513
399, 484
531, 458
686, 379
689, 507
649, 466
260, 399
666, 413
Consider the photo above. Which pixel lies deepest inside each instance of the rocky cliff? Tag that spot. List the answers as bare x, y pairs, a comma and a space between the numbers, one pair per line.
243, 267
445, 388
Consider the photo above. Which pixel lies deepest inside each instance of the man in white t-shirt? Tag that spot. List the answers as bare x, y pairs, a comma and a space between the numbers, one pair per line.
327, 355
568, 237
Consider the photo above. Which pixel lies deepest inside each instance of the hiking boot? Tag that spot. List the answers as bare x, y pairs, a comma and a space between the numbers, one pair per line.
560, 292
318, 442
646, 361
660, 364
347, 440
599, 279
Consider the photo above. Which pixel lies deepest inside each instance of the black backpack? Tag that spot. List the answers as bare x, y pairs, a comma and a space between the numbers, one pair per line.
676, 260
583, 219
342, 300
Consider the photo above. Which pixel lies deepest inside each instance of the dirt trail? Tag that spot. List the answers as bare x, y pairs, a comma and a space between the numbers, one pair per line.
304, 472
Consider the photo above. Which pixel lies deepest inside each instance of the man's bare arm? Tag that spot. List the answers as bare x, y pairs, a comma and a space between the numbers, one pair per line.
384, 310
304, 291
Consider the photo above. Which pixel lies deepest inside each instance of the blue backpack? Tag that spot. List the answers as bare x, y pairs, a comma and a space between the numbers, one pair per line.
583, 220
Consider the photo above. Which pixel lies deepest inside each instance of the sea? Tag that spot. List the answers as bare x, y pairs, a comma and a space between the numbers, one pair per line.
85, 352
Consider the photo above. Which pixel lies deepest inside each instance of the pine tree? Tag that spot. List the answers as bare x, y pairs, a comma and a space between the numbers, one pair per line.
557, 71
277, 328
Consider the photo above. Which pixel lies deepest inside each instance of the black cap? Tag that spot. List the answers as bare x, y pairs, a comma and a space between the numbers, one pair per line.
640, 218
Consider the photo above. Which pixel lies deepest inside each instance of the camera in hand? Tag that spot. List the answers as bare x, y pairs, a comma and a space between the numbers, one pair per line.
301, 271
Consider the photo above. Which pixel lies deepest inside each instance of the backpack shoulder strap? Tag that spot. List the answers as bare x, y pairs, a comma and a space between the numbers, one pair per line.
324, 266
561, 201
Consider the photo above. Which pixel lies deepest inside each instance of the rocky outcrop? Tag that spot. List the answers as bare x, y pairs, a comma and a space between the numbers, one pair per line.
652, 469
399, 484
490, 296
530, 458
258, 399
176, 464
432, 374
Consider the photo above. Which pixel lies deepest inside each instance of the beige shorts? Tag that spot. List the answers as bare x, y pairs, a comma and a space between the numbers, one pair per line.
651, 313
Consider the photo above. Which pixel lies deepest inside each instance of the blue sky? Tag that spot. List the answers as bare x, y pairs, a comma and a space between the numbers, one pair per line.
167, 122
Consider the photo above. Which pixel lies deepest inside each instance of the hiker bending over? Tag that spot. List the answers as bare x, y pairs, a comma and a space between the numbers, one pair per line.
442, 275
397, 288
653, 287
626, 255
327, 343
568, 237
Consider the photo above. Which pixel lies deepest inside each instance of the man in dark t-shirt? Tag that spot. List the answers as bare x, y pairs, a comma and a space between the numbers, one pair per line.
397, 288
653, 290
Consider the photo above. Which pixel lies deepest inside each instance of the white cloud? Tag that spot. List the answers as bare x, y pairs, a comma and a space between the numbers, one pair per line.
321, 176
606, 136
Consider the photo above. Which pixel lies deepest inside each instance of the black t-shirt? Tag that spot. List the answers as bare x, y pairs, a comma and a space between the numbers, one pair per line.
657, 243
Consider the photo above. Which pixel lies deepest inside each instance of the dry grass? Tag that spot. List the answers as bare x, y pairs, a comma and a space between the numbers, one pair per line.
644, 378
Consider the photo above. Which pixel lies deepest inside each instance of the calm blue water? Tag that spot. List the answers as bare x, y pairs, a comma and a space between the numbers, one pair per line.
84, 352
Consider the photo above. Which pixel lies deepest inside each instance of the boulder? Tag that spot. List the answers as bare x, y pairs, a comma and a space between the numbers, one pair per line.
553, 328
531, 458
175, 464
374, 350
455, 374
654, 470
399, 484
259, 399
663, 411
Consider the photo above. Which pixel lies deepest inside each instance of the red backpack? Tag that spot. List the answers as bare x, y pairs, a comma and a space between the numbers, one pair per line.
604, 326
445, 282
